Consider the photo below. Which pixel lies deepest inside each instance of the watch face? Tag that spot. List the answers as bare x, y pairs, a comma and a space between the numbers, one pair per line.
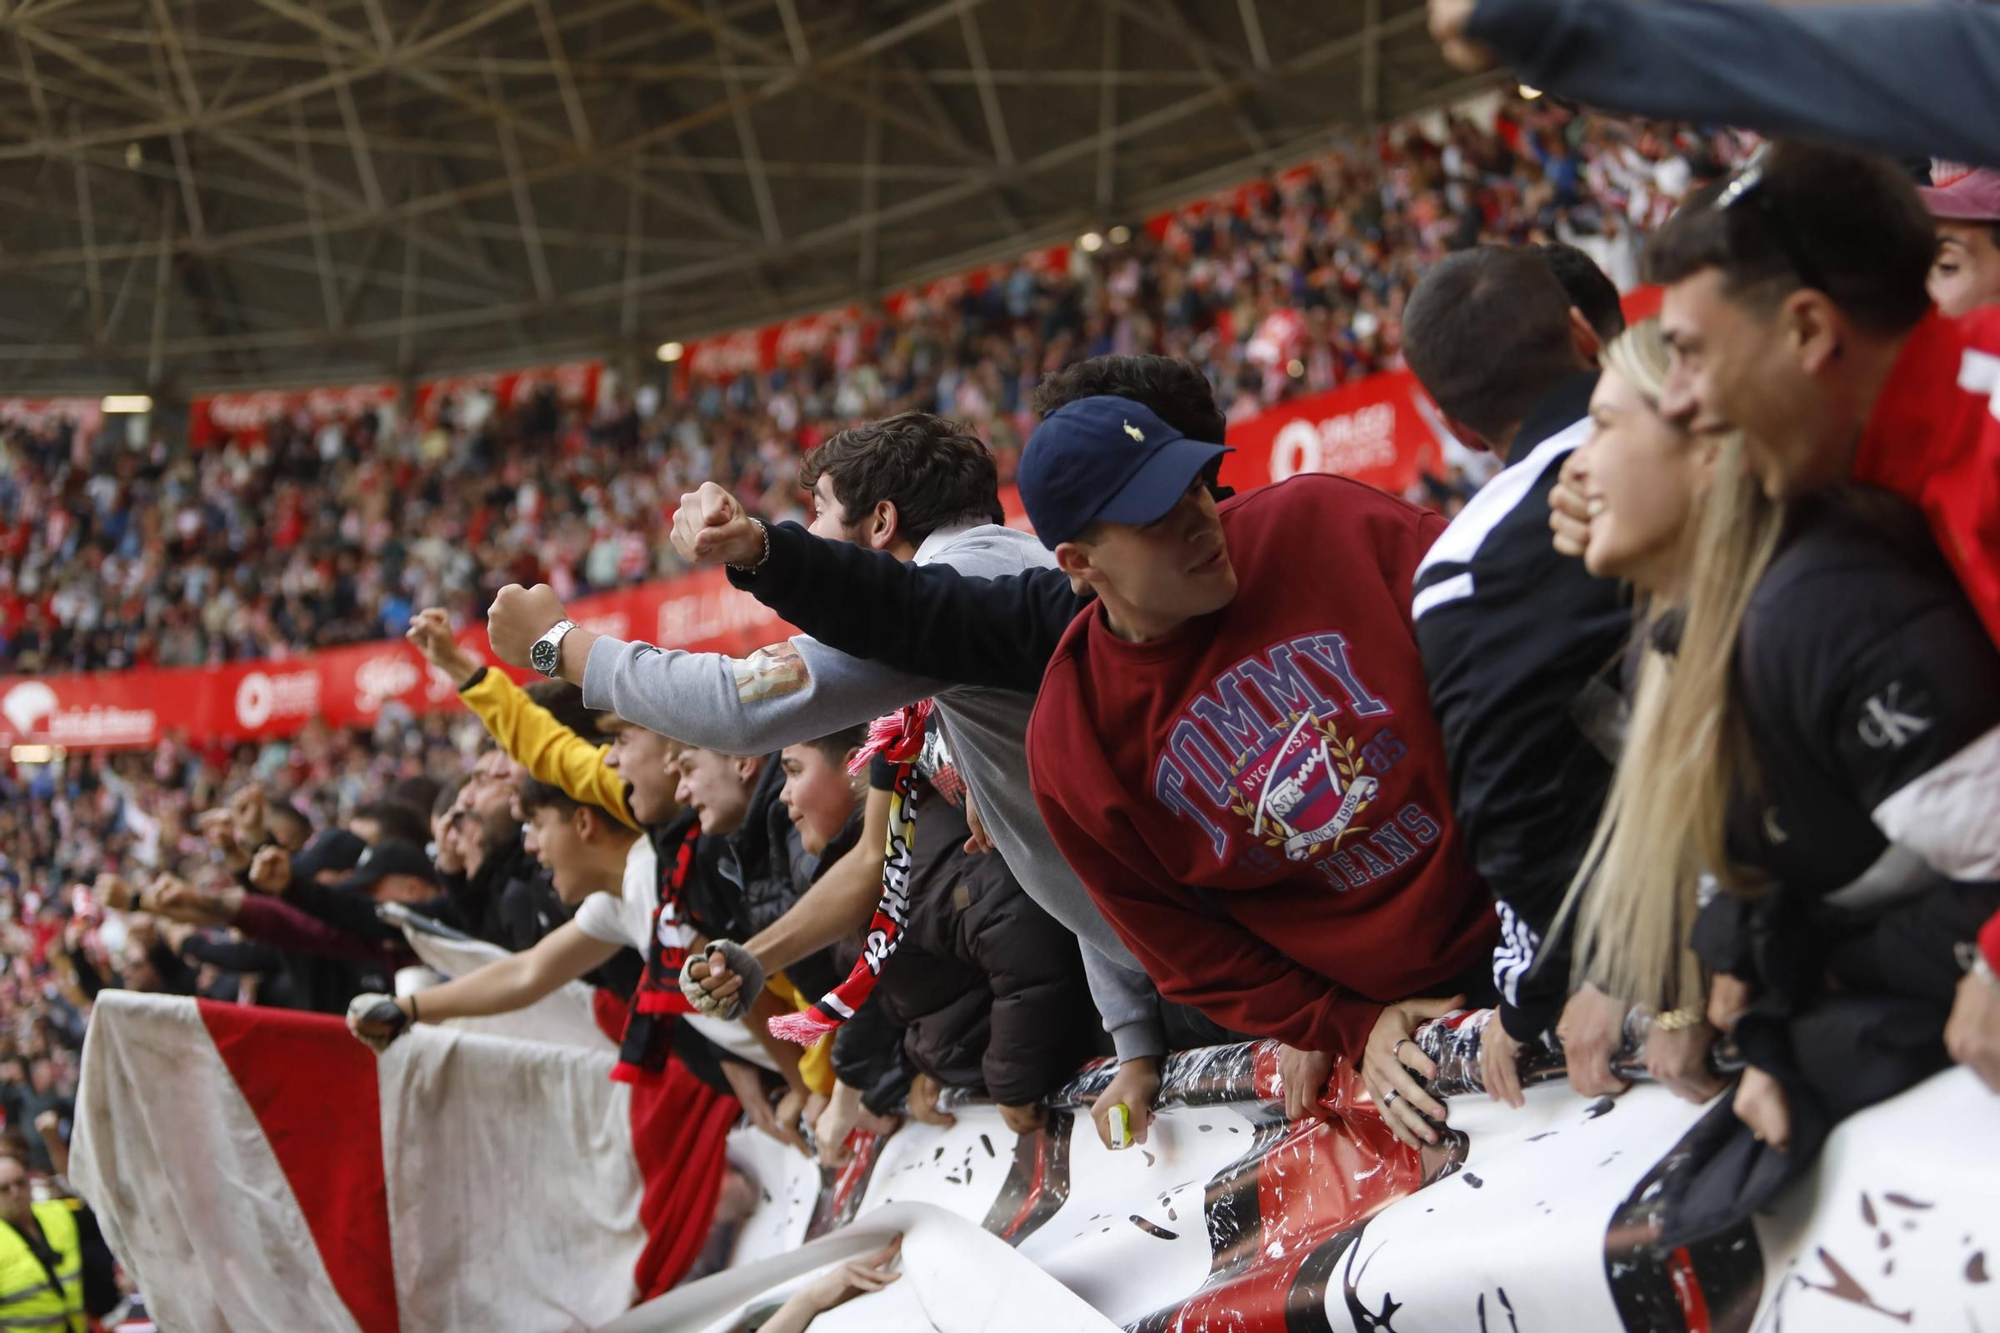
542, 657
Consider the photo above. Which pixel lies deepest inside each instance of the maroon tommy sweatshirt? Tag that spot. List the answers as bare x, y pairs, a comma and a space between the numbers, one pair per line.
1259, 802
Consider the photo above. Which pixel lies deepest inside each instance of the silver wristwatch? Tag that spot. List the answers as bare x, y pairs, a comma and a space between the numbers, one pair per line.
546, 655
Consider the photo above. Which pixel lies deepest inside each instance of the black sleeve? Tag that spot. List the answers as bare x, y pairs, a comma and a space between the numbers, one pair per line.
88, 979
176, 976
928, 620
868, 1056
1911, 696
1831, 71
100, 1269
343, 910
1517, 668
703, 1058
238, 956
1871, 671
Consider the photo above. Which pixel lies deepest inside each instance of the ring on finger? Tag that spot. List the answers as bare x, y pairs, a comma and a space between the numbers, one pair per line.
1394, 1051
1390, 1100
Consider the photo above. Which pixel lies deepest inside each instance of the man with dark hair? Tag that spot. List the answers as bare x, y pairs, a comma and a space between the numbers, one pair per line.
1488, 332
1796, 311
912, 471
1591, 291
389, 821
797, 689
289, 829
1176, 391
1516, 638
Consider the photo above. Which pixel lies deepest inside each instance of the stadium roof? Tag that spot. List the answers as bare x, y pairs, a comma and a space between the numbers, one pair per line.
206, 194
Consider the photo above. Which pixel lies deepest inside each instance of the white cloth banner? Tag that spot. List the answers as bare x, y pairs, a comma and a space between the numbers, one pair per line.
562, 1017
512, 1194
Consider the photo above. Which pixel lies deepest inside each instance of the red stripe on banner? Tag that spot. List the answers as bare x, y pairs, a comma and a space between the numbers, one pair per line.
680, 1132
313, 1090
1687, 1290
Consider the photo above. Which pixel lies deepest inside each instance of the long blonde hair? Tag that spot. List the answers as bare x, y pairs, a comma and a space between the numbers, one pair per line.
1663, 824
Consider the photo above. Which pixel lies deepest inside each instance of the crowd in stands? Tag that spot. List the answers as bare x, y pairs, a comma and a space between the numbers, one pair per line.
320, 533
1162, 779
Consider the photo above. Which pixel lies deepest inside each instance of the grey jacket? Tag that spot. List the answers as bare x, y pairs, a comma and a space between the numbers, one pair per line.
1907, 80
758, 704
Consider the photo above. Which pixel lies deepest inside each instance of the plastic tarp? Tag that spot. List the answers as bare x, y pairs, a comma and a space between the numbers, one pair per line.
1534, 1220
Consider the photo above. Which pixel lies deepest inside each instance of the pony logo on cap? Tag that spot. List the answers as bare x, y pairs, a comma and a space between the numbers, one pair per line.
1135, 432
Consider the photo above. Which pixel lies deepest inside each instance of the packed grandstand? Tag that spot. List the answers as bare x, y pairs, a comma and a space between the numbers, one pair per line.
295, 731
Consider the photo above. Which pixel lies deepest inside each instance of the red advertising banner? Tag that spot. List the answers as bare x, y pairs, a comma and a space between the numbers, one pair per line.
34, 413
1381, 430
344, 686
243, 415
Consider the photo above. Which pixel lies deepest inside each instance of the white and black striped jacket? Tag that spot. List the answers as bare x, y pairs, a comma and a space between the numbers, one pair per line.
1520, 647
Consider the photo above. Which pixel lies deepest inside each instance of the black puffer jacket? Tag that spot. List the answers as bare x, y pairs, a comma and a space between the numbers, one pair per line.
986, 990
1868, 688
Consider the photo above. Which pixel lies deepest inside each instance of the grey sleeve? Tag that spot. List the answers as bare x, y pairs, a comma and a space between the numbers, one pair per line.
1130, 1004
779, 695
1907, 80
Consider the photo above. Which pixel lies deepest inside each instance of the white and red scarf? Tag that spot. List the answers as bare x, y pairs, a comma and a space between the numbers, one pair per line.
898, 738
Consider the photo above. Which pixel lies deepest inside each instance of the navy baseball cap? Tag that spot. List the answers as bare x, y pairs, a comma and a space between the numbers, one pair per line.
1105, 460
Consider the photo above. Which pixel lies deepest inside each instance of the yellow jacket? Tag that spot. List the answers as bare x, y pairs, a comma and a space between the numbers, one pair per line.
554, 754
550, 751
31, 1298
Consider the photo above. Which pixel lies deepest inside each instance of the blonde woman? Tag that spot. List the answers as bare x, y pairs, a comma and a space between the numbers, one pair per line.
1818, 728
1645, 480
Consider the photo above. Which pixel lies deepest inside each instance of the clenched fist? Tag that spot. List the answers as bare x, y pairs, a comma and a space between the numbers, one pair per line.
430, 632
711, 528
376, 1020
271, 870
518, 617
115, 892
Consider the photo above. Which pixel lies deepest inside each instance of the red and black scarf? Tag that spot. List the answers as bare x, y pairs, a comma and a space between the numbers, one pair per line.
900, 740
648, 1027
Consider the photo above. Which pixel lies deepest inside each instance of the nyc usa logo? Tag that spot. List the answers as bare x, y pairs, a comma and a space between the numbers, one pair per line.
1305, 791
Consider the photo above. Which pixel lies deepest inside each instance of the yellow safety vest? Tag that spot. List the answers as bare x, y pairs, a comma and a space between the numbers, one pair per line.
28, 1299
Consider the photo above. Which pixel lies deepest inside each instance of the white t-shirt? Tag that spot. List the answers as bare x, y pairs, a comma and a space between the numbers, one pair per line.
627, 918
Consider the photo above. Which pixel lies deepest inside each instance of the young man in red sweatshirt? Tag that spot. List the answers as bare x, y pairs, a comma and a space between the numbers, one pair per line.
1233, 746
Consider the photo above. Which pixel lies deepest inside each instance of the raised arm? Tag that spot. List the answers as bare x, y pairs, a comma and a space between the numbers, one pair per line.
927, 619
500, 987
1838, 71
921, 618
529, 733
